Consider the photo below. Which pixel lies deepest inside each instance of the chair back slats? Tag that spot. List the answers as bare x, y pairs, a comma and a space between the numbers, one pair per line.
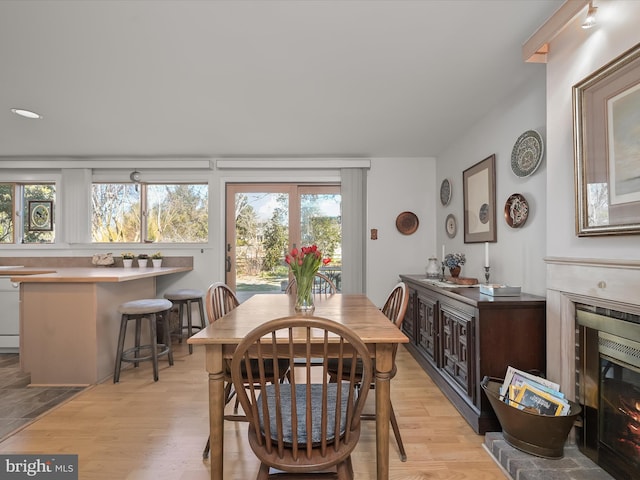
396, 304
321, 284
309, 418
220, 300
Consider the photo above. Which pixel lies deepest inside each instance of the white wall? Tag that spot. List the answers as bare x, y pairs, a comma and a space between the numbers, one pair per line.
575, 54
517, 257
396, 185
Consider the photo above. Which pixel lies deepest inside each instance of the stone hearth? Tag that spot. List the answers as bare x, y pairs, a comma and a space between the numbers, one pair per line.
519, 465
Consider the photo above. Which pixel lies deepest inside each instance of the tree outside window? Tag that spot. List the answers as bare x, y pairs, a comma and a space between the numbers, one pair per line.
15, 197
169, 213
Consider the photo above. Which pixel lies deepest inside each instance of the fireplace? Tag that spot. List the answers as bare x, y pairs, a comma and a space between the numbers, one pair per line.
608, 388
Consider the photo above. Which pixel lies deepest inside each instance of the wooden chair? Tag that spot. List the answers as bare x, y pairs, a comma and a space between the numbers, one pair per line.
219, 301
321, 284
314, 424
394, 309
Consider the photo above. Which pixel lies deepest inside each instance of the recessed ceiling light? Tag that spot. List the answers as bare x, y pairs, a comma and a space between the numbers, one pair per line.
26, 113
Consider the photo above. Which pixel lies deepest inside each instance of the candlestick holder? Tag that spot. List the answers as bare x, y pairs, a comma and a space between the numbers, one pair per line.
442, 277
486, 274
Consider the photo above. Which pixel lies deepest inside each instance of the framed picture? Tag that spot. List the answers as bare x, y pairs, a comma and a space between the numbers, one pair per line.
40, 215
607, 148
479, 190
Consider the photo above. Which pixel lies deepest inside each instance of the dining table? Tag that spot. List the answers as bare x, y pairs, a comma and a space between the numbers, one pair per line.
355, 311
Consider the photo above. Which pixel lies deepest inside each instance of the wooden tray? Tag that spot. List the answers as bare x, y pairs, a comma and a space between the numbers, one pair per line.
463, 280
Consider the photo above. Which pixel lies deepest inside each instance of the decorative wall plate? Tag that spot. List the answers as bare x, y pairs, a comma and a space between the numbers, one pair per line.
527, 153
445, 192
451, 226
516, 210
407, 223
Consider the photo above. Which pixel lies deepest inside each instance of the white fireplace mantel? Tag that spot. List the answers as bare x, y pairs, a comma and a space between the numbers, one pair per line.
611, 284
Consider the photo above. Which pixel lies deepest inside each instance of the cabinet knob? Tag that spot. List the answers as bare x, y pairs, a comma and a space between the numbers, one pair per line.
602, 284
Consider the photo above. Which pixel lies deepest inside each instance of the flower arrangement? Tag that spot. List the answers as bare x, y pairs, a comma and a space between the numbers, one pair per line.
304, 265
453, 260
143, 256
127, 255
156, 255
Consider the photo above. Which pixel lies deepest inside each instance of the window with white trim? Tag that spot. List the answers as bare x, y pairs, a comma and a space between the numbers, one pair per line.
149, 212
27, 213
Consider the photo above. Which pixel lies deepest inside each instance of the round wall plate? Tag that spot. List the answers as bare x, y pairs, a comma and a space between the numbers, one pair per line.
516, 210
445, 192
451, 225
527, 153
407, 223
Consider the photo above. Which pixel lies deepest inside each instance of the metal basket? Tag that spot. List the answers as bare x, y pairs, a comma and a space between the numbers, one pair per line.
540, 435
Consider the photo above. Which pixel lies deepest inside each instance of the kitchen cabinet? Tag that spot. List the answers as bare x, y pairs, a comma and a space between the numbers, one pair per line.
459, 335
9, 316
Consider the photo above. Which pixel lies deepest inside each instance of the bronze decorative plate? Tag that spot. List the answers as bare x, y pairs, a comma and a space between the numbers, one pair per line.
516, 210
407, 223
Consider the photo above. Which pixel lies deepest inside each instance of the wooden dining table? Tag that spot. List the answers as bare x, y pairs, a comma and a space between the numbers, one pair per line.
357, 312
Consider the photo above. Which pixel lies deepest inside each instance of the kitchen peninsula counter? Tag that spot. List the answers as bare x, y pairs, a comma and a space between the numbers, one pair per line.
69, 320
86, 274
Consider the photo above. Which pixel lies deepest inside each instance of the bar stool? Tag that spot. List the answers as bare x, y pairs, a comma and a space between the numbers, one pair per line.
154, 310
186, 297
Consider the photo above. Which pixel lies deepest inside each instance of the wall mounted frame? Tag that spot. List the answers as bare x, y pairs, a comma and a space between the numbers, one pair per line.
607, 149
40, 215
479, 188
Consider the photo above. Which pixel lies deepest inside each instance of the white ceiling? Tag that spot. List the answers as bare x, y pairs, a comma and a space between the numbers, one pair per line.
265, 78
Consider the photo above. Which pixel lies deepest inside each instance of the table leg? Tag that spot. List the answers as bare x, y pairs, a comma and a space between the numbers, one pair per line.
383, 413
216, 409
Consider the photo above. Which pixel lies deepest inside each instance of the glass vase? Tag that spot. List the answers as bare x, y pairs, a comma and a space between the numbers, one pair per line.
304, 295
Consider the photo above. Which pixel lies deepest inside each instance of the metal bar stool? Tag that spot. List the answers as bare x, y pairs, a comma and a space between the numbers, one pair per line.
186, 297
154, 310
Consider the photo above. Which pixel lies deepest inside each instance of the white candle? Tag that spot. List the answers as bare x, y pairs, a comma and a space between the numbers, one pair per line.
442, 253
486, 254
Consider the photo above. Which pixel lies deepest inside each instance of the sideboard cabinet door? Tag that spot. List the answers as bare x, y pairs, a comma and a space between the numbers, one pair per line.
428, 328
457, 344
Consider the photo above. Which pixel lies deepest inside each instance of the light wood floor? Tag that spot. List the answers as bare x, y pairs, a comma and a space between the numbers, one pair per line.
139, 429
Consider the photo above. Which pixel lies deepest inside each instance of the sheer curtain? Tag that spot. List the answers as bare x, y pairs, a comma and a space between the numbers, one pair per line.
354, 222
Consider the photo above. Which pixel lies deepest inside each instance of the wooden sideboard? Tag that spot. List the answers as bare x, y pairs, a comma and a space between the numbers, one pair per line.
459, 335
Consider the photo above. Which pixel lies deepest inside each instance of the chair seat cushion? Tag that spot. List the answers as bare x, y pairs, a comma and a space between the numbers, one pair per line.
346, 367
301, 403
269, 370
184, 294
144, 306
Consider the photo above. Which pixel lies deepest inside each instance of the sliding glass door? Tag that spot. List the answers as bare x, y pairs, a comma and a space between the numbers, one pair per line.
264, 221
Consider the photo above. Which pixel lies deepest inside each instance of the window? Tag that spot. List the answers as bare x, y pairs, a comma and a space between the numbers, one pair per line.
26, 213
162, 213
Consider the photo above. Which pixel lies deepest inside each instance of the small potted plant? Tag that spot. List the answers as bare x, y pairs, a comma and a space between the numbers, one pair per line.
453, 262
127, 259
143, 260
156, 259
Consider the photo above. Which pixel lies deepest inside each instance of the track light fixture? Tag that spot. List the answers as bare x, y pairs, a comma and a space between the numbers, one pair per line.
590, 21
